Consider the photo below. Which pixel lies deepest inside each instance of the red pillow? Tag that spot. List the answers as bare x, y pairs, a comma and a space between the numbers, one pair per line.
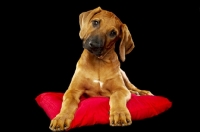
94, 110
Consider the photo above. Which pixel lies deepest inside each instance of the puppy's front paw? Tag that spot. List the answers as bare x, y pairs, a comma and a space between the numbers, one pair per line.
60, 122
141, 92
145, 92
120, 117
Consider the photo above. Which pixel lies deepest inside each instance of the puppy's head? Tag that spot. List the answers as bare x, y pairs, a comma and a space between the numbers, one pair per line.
100, 29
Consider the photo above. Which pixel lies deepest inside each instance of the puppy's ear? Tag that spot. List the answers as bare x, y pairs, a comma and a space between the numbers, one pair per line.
126, 44
84, 18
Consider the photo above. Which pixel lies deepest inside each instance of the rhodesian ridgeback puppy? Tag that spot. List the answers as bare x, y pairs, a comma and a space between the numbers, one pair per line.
98, 71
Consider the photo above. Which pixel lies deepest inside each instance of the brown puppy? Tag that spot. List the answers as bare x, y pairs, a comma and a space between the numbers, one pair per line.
98, 70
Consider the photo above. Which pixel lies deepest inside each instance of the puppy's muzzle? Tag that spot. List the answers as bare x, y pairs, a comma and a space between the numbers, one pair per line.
94, 44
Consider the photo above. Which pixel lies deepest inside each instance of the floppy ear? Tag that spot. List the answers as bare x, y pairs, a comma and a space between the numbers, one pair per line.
84, 18
126, 44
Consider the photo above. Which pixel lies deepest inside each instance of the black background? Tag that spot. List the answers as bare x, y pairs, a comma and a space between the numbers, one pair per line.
48, 47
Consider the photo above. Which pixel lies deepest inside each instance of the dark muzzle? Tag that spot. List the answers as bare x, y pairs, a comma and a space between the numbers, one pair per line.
94, 44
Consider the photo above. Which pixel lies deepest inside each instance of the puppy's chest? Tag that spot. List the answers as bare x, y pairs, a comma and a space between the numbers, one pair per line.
100, 83
95, 87
97, 77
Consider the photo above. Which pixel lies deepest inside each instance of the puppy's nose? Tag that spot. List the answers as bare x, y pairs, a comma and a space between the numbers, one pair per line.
93, 44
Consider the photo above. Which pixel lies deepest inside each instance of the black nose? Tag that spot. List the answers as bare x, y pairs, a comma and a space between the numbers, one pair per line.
93, 44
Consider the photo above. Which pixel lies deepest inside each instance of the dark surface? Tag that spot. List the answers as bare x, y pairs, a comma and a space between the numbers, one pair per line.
49, 47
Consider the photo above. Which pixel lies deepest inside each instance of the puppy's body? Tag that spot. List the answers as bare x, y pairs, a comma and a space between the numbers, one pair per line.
98, 70
100, 73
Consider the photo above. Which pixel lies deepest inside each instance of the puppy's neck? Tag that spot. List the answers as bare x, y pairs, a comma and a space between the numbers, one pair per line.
101, 68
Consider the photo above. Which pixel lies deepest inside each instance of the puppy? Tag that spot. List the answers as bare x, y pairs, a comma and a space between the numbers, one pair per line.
98, 71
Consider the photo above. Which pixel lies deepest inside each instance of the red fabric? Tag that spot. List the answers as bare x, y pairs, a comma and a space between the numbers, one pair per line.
95, 110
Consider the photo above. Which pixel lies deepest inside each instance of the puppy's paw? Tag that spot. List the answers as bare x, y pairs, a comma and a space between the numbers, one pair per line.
120, 117
141, 92
60, 122
145, 92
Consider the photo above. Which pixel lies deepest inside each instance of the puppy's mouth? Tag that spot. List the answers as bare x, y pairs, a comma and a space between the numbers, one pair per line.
100, 57
97, 53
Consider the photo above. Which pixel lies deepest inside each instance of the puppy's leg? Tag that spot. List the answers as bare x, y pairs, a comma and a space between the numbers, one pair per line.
131, 87
69, 105
119, 114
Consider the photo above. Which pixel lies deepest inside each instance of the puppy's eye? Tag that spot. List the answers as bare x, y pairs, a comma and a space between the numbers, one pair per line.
95, 23
113, 33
